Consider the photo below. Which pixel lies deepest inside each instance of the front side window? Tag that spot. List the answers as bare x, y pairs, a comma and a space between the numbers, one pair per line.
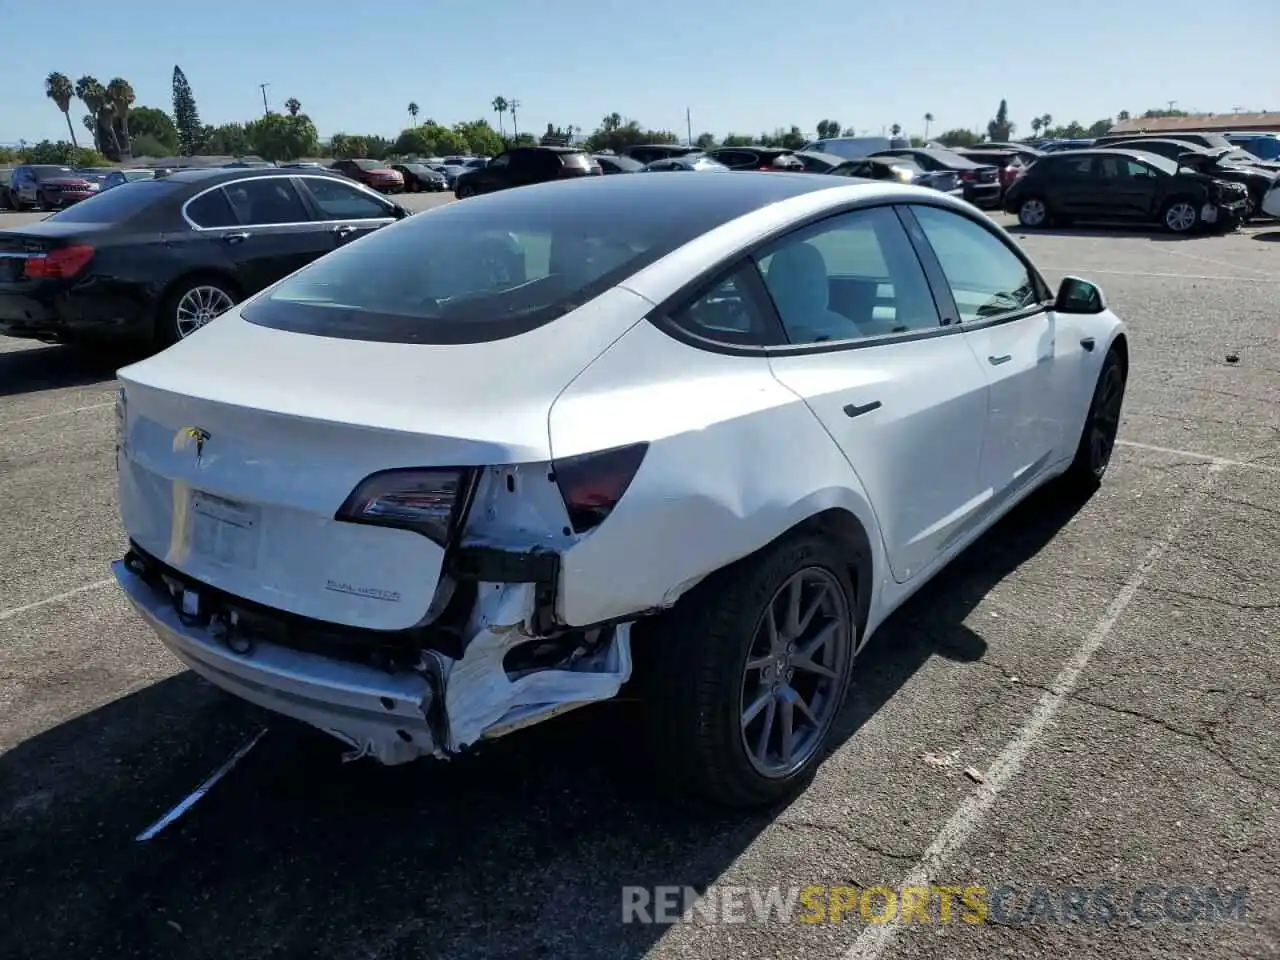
265, 202
850, 277
342, 201
986, 278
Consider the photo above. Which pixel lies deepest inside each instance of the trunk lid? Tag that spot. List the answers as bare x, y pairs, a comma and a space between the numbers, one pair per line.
34, 239
242, 443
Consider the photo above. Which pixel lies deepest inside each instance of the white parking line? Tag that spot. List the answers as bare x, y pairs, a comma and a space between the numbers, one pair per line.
1206, 457
56, 598
968, 817
60, 413
1216, 263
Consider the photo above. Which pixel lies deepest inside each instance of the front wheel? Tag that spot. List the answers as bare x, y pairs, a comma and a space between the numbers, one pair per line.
750, 670
464, 191
1102, 423
1180, 215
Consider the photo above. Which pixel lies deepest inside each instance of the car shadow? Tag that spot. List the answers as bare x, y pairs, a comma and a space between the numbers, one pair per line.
54, 367
1110, 231
520, 850
1272, 237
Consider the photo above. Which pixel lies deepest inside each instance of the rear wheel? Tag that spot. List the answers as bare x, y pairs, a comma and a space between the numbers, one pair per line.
1033, 212
191, 305
750, 670
464, 191
1098, 438
1180, 215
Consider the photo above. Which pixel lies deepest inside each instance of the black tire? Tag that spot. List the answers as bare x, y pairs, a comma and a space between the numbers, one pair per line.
1168, 207
43, 203
167, 331
692, 662
1033, 202
463, 191
1098, 436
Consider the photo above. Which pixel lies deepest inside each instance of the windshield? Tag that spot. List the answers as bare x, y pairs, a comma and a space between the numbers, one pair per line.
367, 164
118, 203
51, 171
1163, 164
472, 272
1260, 148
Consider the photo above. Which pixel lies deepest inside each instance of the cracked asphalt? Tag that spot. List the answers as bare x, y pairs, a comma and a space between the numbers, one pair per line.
1108, 671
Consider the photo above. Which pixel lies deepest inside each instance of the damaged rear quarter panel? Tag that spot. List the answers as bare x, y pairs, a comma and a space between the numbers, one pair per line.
735, 459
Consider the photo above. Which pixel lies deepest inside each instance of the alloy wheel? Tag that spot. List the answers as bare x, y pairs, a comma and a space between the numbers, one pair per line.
793, 681
198, 306
1032, 213
1104, 418
1180, 217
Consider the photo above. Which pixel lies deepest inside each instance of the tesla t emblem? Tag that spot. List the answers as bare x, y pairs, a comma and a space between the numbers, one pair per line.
196, 435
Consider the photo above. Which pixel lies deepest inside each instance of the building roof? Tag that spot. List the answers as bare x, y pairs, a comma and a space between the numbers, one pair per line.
1269, 119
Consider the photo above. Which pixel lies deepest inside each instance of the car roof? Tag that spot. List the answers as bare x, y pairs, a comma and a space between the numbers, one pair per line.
219, 174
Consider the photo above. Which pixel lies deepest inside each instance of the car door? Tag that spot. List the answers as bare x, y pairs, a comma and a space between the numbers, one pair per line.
1127, 189
1003, 308
349, 211
273, 233
901, 394
1071, 185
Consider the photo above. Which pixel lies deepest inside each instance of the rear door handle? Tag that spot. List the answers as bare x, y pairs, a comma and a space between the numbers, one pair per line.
236, 237
344, 231
854, 410
996, 361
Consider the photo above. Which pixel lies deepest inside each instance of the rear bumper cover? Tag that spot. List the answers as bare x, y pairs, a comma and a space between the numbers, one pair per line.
70, 314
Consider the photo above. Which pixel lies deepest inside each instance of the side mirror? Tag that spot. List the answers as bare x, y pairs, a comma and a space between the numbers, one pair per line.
1078, 296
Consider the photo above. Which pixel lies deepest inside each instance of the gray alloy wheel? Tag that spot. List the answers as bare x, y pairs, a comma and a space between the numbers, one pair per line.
1033, 212
1180, 216
197, 306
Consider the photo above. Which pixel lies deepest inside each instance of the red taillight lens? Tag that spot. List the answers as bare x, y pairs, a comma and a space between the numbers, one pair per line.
967, 175
426, 501
60, 263
593, 483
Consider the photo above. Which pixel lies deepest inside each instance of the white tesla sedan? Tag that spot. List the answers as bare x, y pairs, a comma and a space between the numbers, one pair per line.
449, 480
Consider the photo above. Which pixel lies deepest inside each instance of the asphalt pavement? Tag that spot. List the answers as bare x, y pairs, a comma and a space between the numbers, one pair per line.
1079, 718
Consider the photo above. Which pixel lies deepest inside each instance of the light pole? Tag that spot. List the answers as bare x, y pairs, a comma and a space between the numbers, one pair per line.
266, 111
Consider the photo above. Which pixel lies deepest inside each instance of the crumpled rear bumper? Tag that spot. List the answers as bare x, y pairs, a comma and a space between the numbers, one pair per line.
380, 714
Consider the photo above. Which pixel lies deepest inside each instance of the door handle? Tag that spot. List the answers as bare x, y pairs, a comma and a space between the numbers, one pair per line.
1087, 343
854, 410
996, 361
344, 231
236, 237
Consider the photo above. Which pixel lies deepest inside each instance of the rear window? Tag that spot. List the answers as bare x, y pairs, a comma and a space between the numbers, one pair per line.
118, 203
490, 268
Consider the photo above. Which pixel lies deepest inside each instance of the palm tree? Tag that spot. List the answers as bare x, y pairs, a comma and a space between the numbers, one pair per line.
293, 105
120, 97
1046, 121
500, 108
1036, 124
928, 119
94, 97
57, 87
413, 112
896, 129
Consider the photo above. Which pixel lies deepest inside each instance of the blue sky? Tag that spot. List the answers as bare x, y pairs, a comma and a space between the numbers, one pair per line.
744, 67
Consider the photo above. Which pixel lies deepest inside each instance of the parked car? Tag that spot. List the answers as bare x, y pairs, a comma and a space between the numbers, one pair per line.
616, 163
384, 533
816, 162
154, 260
372, 173
1057, 146
1271, 202
118, 177
649, 152
522, 166
40, 186
1264, 146
450, 172
1210, 141
419, 177
1217, 163
854, 148
757, 158
689, 163
981, 181
1123, 185
1010, 163
901, 170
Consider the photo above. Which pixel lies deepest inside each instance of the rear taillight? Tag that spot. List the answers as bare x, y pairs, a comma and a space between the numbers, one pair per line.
593, 483
767, 166
60, 263
967, 175
427, 501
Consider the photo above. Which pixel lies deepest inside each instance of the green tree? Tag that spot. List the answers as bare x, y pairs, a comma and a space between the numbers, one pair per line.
705, 141
958, 137
62, 153
500, 107
58, 88
282, 136
736, 140
294, 106
928, 119
157, 127
896, 129
828, 128
228, 140
413, 112
479, 137
121, 97
185, 115
1122, 115
94, 97
1000, 129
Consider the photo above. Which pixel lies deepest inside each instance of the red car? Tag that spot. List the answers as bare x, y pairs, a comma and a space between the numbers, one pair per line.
372, 173
47, 187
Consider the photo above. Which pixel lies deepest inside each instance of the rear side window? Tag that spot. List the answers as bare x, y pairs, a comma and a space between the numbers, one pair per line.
211, 211
577, 161
118, 203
